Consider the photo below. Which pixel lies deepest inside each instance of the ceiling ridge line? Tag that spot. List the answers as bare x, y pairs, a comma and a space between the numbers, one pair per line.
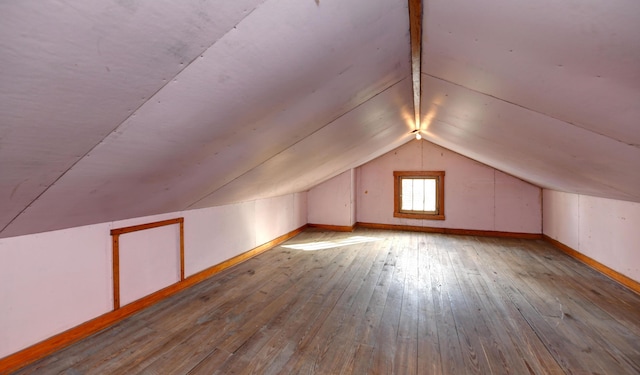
295, 143
415, 31
532, 110
114, 130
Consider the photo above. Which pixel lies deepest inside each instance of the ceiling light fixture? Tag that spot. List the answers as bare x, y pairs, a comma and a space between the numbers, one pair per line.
417, 133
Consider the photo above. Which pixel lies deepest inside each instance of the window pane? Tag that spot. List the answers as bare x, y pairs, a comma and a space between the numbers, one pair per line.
430, 194
418, 195
407, 194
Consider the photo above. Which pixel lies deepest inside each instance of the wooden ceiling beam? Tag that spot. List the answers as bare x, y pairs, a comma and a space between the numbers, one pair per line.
415, 27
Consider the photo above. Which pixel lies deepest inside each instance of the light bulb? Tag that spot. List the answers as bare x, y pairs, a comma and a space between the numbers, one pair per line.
418, 136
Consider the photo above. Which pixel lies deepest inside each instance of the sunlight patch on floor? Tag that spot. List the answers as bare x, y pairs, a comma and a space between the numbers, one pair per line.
321, 245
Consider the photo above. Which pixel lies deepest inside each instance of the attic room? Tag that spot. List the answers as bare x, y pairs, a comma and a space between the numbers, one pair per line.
217, 186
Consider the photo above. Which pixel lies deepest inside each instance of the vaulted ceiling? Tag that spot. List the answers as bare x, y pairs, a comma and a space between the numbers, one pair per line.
125, 108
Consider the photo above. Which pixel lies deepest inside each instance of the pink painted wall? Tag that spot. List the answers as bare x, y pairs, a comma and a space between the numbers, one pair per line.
53, 281
476, 196
215, 234
354, 197
605, 230
333, 202
149, 261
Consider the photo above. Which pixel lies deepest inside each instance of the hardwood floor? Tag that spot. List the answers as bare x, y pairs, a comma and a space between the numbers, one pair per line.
387, 303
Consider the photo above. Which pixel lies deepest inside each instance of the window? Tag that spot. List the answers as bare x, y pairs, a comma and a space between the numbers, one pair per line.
419, 195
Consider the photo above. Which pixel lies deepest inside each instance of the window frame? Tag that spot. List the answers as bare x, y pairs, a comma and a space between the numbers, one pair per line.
398, 176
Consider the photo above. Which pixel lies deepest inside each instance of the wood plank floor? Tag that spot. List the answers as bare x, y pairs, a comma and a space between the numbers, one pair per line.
379, 302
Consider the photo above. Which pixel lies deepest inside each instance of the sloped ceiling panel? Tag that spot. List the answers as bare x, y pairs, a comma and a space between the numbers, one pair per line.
71, 72
118, 109
527, 144
545, 90
277, 77
355, 138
